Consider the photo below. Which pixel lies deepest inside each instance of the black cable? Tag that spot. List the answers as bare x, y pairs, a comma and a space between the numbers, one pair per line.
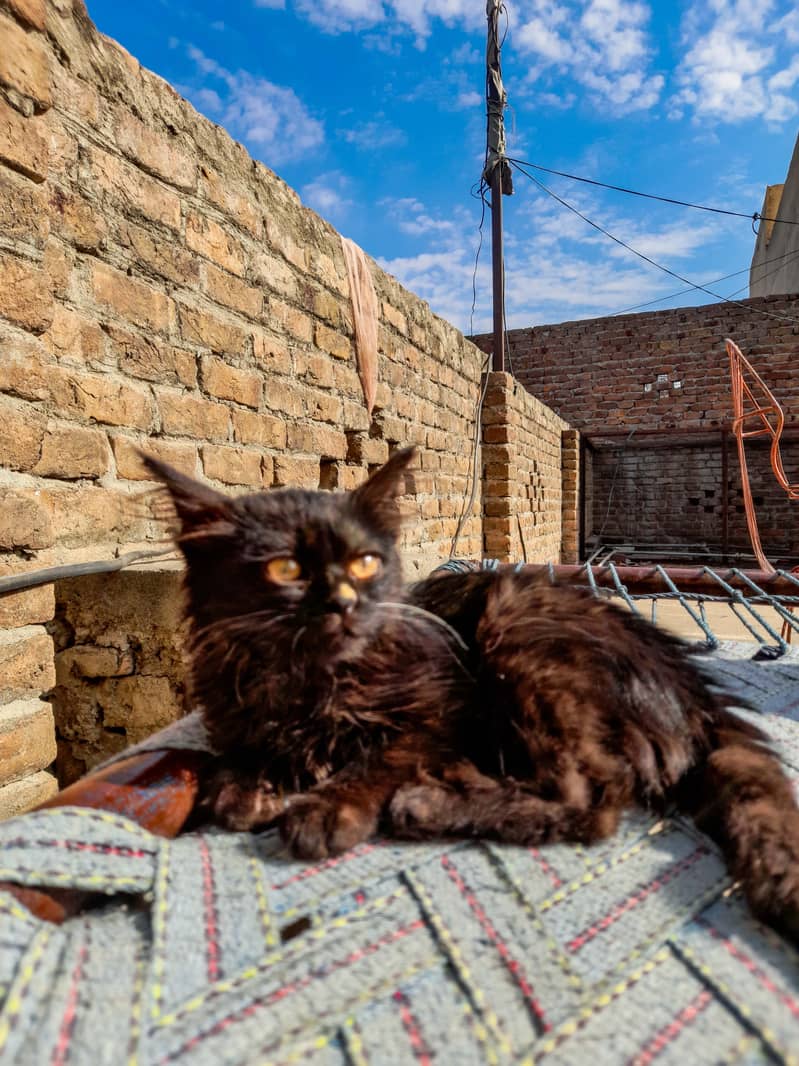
787, 257
32, 579
726, 277
646, 258
477, 257
753, 217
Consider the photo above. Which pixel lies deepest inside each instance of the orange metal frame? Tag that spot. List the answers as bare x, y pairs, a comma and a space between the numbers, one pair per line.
755, 405
756, 413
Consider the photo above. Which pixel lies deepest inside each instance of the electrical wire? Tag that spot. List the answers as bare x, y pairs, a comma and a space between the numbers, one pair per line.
646, 258
715, 281
754, 216
787, 257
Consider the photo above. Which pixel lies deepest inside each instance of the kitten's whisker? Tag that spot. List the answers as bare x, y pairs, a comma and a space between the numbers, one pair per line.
420, 618
296, 639
420, 611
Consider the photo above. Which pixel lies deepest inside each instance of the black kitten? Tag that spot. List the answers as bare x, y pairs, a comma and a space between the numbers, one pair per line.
490, 704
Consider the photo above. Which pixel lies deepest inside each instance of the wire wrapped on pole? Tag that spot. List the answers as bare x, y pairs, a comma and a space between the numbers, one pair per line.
496, 101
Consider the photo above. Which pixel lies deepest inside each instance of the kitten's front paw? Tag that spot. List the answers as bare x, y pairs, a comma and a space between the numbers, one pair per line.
317, 826
239, 804
420, 810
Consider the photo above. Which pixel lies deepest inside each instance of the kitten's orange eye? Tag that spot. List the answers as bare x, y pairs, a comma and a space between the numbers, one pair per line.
364, 567
283, 571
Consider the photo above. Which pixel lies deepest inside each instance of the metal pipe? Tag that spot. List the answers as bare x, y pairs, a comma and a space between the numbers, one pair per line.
640, 580
498, 270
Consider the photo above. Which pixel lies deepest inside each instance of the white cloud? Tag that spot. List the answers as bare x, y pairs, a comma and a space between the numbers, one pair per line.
733, 69
602, 45
339, 16
271, 119
557, 267
373, 135
467, 99
328, 194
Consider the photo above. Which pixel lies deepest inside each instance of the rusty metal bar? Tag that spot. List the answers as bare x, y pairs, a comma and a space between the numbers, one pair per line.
725, 494
701, 580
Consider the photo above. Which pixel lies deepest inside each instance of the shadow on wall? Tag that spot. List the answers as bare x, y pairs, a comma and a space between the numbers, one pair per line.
119, 664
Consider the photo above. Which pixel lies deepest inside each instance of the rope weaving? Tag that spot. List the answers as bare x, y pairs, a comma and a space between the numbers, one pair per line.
215, 948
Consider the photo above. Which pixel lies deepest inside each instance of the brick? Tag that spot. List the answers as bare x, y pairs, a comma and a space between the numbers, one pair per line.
30, 607
233, 466
237, 206
23, 63
364, 449
330, 272
133, 300
73, 338
31, 12
324, 407
24, 521
395, 318
73, 452
135, 191
209, 239
296, 472
329, 340
281, 239
232, 292
184, 415
263, 429
142, 705
94, 661
58, 263
327, 307
23, 210
148, 357
155, 152
27, 739
26, 663
207, 330
315, 369
289, 319
126, 453
84, 515
317, 440
25, 298
107, 399
271, 353
273, 273
21, 796
343, 477
225, 382
287, 397
149, 249
21, 432
76, 221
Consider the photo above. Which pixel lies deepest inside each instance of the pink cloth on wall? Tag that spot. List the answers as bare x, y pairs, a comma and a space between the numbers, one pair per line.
364, 310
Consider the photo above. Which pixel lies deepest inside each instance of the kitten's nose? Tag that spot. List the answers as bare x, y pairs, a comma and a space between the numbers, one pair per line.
344, 597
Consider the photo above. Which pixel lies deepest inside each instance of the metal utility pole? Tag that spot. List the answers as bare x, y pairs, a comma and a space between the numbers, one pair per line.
497, 173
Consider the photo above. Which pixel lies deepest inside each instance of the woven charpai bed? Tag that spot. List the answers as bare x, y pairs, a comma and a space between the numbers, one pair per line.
215, 948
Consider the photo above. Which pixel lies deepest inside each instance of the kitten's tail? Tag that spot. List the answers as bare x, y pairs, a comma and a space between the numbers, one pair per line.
740, 796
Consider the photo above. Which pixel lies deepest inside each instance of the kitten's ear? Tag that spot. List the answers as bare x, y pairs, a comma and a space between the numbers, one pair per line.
202, 511
377, 496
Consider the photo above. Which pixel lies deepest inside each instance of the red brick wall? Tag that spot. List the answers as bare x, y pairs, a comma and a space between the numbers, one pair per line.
668, 371
659, 369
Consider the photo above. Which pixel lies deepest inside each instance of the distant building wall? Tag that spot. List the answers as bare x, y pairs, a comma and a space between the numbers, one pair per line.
775, 263
651, 392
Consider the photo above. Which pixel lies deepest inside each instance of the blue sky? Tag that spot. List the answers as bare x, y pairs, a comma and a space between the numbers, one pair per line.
373, 111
